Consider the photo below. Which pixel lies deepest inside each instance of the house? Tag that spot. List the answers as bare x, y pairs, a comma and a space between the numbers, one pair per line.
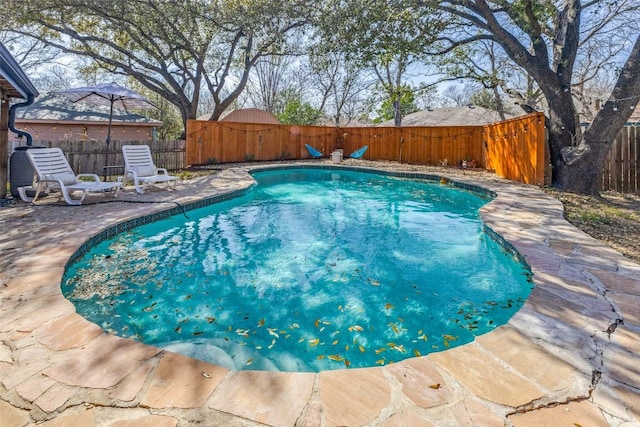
53, 117
456, 116
245, 115
16, 91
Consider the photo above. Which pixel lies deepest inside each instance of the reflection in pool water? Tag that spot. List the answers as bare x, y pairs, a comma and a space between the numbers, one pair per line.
312, 269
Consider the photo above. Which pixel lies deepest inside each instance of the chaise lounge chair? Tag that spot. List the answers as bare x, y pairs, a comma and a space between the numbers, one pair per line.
138, 166
359, 152
52, 170
313, 152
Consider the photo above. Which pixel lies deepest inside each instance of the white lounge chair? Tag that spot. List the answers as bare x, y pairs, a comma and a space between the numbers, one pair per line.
52, 171
138, 166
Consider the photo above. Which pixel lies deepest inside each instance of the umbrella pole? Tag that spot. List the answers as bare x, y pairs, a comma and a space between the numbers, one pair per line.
106, 158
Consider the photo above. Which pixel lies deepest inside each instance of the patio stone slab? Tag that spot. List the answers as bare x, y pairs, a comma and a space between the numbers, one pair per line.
67, 332
5, 367
79, 419
352, 397
32, 282
594, 254
103, 363
470, 413
11, 416
528, 358
618, 282
48, 262
617, 400
573, 414
129, 387
486, 376
55, 397
29, 364
421, 382
23, 339
28, 317
579, 311
5, 353
148, 421
182, 382
622, 365
628, 305
563, 247
312, 414
630, 397
289, 392
575, 346
407, 417
541, 260
627, 339
34, 387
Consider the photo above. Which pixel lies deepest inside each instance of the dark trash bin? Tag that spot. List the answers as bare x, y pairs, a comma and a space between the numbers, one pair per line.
20, 170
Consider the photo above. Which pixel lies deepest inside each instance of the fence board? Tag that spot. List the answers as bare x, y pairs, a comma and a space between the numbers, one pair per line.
634, 154
616, 169
624, 165
607, 172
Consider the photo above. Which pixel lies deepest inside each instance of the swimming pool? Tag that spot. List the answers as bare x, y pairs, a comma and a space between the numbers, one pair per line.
310, 270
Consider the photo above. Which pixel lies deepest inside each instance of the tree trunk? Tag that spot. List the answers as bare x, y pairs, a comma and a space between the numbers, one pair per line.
397, 117
577, 165
562, 131
581, 169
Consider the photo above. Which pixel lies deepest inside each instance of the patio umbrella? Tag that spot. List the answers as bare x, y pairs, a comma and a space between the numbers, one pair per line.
112, 95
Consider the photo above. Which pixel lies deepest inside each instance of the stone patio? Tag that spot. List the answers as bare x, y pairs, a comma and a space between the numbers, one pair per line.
570, 356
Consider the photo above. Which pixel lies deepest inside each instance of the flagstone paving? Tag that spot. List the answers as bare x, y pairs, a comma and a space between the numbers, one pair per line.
570, 356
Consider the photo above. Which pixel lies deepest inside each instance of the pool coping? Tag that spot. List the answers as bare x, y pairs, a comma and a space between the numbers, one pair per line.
575, 341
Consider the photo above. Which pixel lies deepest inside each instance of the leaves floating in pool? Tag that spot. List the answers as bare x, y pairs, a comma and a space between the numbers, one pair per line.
446, 339
272, 332
222, 270
150, 307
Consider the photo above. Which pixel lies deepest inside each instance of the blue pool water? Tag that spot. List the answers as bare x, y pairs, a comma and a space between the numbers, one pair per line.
312, 269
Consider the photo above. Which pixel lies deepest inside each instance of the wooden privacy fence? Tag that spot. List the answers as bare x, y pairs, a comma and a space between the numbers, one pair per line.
515, 148
91, 156
621, 171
